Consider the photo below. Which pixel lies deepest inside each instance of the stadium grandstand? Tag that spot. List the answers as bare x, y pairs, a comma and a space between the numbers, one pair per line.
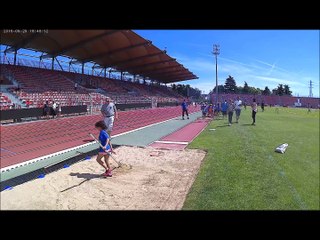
79, 69
82, 67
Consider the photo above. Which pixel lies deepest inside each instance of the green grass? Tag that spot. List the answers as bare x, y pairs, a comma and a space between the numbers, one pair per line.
242, 172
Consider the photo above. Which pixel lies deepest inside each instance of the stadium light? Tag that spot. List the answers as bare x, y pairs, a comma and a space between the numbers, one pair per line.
216, 52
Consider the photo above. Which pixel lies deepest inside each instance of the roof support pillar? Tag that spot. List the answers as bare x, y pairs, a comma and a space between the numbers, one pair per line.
121, 76
59, 64
40, 59
52, 64
82, 69
15, 57
105, 72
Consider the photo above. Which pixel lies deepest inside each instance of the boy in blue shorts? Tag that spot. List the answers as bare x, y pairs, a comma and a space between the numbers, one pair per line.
184, 107
104, 139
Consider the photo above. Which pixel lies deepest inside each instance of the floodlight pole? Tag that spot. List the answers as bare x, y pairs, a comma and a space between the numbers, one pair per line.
216, 52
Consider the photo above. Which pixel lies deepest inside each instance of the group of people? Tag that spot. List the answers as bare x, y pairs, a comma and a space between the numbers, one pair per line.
228, 108
209, 110
105, 126
53, 109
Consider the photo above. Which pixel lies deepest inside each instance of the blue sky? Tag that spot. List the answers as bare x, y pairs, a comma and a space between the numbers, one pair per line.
260, 57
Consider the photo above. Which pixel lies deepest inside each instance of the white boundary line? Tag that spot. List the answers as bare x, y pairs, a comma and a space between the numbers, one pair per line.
170, 142
7, 169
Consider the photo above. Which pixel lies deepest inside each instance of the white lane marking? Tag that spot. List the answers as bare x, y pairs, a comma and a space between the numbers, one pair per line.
43, 157
172, 142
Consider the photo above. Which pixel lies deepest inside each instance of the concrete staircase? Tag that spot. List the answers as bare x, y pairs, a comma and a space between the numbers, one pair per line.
14, 99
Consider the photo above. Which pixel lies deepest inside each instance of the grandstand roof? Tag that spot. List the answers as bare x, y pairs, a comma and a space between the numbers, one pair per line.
123, 50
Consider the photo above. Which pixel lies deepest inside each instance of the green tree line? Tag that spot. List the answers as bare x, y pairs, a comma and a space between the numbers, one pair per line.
186, 90
230, 86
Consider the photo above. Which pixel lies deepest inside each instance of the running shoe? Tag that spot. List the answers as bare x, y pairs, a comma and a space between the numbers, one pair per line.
109, 173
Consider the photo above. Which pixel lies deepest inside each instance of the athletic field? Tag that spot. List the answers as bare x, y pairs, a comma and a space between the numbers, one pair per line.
242, 172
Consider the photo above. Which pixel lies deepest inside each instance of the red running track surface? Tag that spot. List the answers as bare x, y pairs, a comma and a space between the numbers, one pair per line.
185, 134
26, 141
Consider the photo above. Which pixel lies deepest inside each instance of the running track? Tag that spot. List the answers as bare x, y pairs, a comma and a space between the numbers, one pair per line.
180, 139
26, 141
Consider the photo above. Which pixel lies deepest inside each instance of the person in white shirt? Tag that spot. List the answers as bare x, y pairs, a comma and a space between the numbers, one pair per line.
109, 112
238, 104
54, 109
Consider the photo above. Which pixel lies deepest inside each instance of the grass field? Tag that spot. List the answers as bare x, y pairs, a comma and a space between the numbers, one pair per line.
242, 172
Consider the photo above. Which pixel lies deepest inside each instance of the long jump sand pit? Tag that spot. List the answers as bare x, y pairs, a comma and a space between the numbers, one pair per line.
158, 180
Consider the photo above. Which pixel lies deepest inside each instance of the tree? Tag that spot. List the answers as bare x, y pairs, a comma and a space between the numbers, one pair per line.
187, 91
253, 90
287, 90
245, 88
266, 91
239, 89
220, 89
275, 91
230, 85
280, 90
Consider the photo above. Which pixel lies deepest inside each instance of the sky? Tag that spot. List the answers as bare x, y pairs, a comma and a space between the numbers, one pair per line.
259, 57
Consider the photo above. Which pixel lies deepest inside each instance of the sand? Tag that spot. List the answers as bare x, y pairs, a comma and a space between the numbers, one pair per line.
158, 180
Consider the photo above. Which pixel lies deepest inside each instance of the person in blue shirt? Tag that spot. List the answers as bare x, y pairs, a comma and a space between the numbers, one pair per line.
104, 152
224, 108
184, 107
203, 107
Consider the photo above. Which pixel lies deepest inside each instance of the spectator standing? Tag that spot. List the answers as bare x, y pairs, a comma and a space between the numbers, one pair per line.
76, 86
230, 110
217, 109
54, 109
203, 107
184, 107
109, 112
210, 110
262, 106
238, 104
224, 108
254, 107
59, 109
46, 110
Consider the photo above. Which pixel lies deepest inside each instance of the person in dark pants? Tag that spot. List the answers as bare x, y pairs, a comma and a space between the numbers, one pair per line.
46, 109
262, 106
230, 110
224, 107
254, 107
184, 107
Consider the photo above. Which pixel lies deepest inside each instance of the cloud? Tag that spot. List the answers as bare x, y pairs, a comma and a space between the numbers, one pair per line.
255, 72
279, 80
